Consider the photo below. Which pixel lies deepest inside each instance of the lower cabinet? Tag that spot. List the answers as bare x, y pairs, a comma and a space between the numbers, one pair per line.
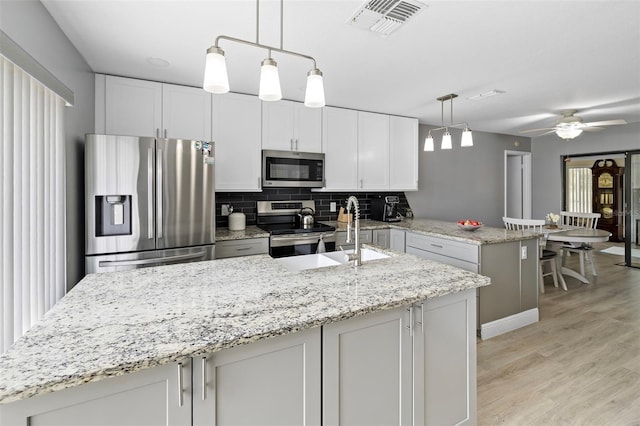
397, 239
244, 247
366, 237
155, 396
381, 237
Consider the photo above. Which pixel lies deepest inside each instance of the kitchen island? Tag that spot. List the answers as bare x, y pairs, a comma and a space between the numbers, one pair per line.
116, 328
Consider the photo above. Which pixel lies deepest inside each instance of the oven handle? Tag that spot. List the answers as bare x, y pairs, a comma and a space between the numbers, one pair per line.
299, 239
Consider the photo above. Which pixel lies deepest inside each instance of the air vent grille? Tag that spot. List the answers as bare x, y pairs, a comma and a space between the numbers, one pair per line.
385, 16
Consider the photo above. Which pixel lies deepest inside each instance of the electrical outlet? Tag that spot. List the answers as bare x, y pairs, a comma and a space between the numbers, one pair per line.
332, 206
225, 210
523, 252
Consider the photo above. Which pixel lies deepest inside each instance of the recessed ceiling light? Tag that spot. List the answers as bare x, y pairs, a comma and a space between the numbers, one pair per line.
158, 62
485, 95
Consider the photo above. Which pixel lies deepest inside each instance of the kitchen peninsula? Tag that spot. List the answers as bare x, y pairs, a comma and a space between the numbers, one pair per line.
244, 332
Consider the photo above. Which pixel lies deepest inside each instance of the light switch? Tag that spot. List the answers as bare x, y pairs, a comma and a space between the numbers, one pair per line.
332, 206
523, 252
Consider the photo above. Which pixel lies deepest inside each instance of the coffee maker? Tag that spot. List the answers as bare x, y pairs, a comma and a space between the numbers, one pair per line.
385, 209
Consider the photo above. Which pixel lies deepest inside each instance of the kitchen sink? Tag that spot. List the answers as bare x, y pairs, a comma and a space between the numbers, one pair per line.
322, 260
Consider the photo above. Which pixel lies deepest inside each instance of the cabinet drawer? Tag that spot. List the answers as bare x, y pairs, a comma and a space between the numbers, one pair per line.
443, 247
246, 247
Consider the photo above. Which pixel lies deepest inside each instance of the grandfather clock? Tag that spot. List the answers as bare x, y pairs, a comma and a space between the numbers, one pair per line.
607, 197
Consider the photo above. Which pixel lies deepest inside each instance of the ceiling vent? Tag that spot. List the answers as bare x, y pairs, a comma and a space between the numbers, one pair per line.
385, 16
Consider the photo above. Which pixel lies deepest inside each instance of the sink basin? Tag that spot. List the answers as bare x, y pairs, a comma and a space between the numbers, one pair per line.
321, 260
307, 261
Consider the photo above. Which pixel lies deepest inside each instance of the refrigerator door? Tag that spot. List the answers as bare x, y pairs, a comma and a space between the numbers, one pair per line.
127, 261
119, 194
185, 194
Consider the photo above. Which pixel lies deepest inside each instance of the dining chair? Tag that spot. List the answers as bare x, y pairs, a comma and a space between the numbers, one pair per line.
583, 220
546, 256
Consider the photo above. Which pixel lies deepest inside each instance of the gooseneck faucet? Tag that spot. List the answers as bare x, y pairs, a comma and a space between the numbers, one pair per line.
355, 256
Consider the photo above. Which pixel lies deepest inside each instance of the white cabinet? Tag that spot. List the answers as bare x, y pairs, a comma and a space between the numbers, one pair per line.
291, 126
340, 147
236, 133
271, 382
244, 247
147, 397
127, 106
403, 153
381, 237
397, 239
373, 151
366, 368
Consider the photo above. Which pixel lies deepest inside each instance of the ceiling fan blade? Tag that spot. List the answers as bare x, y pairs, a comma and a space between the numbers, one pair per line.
592, 129
537, 130
605, 123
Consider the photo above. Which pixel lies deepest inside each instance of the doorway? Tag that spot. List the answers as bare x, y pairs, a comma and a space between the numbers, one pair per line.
517, 184
632, 210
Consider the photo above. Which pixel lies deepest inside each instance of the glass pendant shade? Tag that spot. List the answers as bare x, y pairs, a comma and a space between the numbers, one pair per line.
467, 138
568, 132
446, 140
216, 79
428, 143
269, 81
314, 94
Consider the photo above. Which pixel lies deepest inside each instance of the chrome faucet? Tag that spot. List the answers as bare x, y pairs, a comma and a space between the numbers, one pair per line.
355, 256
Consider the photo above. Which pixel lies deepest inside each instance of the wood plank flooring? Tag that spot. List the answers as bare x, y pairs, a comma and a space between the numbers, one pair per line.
580, 365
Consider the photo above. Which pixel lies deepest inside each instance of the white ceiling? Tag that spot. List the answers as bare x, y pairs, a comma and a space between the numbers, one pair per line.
547, 56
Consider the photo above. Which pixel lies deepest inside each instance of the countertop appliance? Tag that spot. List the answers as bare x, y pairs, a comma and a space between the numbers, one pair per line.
288, 234
292, 169
385, 208
148, 202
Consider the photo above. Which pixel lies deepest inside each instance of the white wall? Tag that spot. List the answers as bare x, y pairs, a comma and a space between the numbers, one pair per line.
547, 164
29, 24
464, 182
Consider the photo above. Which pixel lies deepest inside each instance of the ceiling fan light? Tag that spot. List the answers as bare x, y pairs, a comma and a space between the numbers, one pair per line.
314, 94
428, 143
467, 138
216, 79
269, 81
446, 140
568, 132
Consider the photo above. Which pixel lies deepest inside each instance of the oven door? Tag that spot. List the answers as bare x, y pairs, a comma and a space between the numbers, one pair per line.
300, 244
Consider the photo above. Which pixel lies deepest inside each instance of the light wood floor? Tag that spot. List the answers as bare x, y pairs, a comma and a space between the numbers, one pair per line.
580, 365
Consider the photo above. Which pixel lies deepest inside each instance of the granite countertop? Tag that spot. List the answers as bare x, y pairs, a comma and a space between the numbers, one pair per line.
252, 231
113, 323
444, 229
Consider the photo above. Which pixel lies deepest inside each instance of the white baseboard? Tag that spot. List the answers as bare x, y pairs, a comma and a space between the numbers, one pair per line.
506, 324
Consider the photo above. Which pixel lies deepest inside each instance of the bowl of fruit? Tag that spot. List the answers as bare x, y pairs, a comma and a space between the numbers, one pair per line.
469, 225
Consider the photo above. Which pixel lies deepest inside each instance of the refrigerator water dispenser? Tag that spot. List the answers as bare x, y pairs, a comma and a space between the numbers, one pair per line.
113, 215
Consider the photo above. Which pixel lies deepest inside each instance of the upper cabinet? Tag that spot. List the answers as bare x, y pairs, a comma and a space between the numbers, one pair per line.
236, 133
373, 151
291, 126
340, 147
403, 153
126, 106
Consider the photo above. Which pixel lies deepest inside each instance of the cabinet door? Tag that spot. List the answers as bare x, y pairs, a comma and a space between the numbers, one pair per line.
307, 128
340, 147
236, 133
397, 237
403, 153
373, 151
381, 237
367, 372
186, 113
147, 397
132, 107
277, 125
444, 360
271, 382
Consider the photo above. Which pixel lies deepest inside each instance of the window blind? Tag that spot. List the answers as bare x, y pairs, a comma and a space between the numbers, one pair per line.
579, 191
32, 201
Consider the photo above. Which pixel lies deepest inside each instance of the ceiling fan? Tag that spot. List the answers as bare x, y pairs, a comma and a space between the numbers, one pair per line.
570, 126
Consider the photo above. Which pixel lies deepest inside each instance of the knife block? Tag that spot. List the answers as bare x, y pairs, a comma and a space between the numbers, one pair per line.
344, 217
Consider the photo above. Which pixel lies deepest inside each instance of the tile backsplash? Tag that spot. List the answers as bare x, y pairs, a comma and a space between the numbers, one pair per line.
246, 202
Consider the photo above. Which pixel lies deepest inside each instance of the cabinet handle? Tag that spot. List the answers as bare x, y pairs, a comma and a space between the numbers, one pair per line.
291, 144
243, 248
296, 144
180, 396
436, 245
421, 318
259, 182
361, 183
165, 133
157, 133
204, 378
410, 326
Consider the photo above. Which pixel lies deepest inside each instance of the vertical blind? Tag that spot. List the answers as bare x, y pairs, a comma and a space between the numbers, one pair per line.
579, 190
32, 201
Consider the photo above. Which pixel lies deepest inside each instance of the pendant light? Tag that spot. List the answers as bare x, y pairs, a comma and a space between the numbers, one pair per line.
216, 79
467, 137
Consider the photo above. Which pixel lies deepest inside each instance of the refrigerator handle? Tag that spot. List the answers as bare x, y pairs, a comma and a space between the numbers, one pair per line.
179, 257
150, 231
159, 190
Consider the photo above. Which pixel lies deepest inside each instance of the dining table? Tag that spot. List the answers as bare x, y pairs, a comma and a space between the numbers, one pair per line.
575, 235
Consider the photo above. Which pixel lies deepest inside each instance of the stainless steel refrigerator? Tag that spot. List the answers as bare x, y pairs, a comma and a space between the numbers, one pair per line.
148, 202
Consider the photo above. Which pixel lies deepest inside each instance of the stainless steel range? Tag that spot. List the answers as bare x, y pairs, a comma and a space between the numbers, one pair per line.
292, 231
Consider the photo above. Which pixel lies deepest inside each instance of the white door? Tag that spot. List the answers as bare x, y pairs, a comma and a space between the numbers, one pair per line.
340, 147
373, 151
132, 107
517, 184
186, 113
307, 128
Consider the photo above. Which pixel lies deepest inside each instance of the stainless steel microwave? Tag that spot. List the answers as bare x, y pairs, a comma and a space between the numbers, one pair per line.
292, 169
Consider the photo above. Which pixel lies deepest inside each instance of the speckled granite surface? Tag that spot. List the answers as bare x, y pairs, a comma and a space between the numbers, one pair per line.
448, 230
223, 234
114, 323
